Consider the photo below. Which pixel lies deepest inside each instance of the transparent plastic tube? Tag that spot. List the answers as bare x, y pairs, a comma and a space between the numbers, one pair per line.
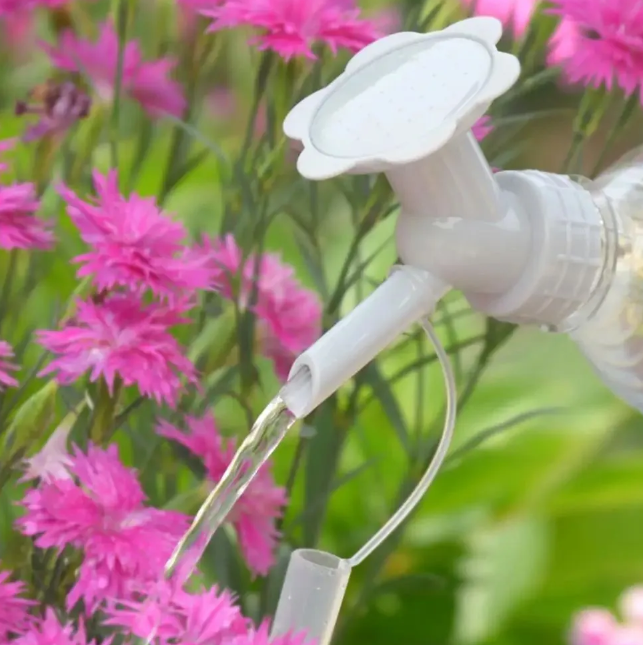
438, 458
316, 581
312, 595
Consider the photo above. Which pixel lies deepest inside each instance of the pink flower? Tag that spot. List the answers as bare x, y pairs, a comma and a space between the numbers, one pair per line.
121, 338
6, 366
176, 616
289, 315
627, 635
600, 43
17, 34
19, 226
482, 127
14, 610
9, 7
261, 636
563, 43
292, 27
593, 627
59, 106
100, 510
49, 631
146, 82
133, 244
515, 14
5, 144
262, 503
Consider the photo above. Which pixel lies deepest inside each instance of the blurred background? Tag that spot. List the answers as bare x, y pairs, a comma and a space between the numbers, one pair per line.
542, 519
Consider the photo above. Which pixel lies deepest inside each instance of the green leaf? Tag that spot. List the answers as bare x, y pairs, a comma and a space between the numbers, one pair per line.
503, 567
321, 463
272, 587
611, 484
491, 432
413, 581
189, 165
529, 117
68, 422
314, 267
222, 563
197, 135
31, 418
206, 339
530, 84
82, 290
311, 510
122, 19
628, 109
372, 376
145, 140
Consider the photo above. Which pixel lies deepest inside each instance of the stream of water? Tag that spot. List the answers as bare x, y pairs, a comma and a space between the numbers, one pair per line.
266, 434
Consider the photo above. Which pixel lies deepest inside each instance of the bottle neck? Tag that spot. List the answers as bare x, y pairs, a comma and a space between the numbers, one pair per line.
566, 258
456, 223
611, 240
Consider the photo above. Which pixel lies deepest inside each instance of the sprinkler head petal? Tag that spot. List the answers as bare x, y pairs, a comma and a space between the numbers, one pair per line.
313, 165
484, 28
298, 120
506, 71
381, 47
402, 98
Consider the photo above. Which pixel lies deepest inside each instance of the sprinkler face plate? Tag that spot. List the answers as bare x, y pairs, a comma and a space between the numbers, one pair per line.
401, 98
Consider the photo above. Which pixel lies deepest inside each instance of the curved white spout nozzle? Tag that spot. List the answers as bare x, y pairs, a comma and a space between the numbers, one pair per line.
405, 297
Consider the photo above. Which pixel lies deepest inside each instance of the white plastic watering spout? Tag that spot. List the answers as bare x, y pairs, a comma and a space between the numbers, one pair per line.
525, 247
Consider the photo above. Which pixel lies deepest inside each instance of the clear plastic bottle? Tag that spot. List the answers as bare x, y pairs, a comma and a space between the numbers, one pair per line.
610, 329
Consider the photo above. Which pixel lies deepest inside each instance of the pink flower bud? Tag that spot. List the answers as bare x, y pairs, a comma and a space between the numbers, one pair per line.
593, 627
627, 635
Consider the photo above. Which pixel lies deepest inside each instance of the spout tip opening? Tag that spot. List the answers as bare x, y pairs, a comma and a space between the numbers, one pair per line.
297, 393
321, 559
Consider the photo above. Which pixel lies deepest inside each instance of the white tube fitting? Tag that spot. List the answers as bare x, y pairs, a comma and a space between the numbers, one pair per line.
404, 298
311, 596
454, 217
564, 259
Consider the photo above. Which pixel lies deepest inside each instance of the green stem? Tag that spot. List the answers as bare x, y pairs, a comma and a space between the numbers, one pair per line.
44, 162
261, 80
572, 154
220, 358
197, 59
616, 131
84, 153
105, 412
122, 18
5, 295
